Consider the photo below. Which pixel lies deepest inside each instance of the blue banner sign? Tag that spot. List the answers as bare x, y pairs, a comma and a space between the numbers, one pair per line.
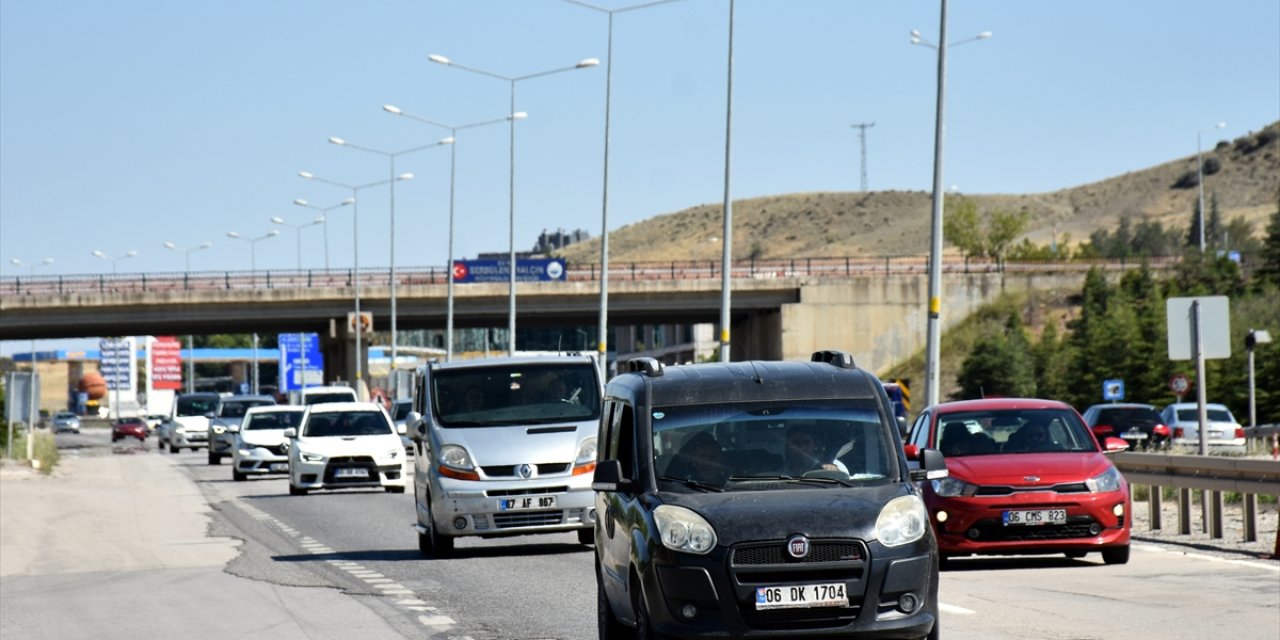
527, 270
300, 356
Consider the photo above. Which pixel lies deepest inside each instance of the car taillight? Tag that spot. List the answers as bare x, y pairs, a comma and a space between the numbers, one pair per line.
1177, 432
1161, 430
1103, 430
1239, 432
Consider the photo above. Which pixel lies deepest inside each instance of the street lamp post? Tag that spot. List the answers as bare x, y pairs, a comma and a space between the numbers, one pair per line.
324, 213
1200, 180
186, 252
253, 270
726, 251
933, 355
114, 260
602, 342
355, 257
511, 172
453, 163
391, 157
32, 410
298, 229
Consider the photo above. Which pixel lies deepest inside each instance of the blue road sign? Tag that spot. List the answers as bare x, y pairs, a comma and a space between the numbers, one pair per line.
1113, 389
300, 352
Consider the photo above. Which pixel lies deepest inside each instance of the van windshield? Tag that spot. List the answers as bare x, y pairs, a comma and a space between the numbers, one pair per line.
507, 394
335, 396
197, 406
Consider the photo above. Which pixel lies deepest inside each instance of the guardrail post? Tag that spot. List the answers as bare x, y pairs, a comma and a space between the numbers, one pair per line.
226, 278
1184, 511
102, 284
1250, 517
1155, 501
1215, 509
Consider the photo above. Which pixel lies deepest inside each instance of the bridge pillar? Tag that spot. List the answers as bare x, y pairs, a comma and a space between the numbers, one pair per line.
339, 349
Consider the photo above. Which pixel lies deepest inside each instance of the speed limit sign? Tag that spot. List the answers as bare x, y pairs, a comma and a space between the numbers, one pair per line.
1179, 384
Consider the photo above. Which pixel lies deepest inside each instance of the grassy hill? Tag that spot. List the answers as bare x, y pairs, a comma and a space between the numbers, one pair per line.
881, 223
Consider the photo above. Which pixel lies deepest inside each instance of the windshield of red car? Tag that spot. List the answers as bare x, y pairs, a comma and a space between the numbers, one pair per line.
1011, 431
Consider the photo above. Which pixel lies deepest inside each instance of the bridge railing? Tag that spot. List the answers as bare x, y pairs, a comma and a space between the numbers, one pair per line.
815, 267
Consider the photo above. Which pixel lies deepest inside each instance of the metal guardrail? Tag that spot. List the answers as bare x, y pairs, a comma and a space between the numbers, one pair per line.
1211, 475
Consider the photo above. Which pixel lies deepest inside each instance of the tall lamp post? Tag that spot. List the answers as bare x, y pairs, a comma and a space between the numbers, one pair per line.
32, 410
355, 244
253, 269
1200, 180
511, 172
391, 157
726, 251
186, 252
602, 343
324, 213
453, 164
115, 259
298, 229
933, 364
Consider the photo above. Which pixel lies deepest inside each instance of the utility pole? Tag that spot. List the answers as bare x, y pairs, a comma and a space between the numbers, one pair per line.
862, 142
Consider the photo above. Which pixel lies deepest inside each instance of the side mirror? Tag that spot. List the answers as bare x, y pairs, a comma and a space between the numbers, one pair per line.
401, 429
608, 477
903, 427
1115, 445
235, 428
932, 466
420, 431
291, 433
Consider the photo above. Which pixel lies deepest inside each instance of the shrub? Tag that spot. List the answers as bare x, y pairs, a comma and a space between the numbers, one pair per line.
1212, 166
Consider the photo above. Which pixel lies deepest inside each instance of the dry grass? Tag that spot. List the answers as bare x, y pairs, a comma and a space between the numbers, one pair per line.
882, 223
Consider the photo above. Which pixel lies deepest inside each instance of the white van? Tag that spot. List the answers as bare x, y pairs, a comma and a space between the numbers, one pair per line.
505, 446
316, 395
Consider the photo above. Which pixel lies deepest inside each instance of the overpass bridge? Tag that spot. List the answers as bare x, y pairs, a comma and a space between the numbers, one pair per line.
781, 309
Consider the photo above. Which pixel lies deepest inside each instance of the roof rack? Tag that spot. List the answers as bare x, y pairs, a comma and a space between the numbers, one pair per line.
646, 365
840, 359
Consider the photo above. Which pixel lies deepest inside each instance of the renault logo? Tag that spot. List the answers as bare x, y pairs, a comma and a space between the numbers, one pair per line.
525, 471
797, 546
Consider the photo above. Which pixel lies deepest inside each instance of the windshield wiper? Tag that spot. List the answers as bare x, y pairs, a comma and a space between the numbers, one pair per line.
818, 479
689, 482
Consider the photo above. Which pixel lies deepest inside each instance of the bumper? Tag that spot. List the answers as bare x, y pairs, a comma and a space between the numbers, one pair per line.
196, 440
975, 525
477, 505
260, 462
895, 596
328, 474
222, 443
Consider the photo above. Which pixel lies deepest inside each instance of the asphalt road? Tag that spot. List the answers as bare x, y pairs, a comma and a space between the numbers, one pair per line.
362, 544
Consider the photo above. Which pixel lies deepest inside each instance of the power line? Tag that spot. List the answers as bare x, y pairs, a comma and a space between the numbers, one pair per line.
862, 141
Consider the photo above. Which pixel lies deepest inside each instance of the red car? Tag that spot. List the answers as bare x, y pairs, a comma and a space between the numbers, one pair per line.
129, 428
1026, 477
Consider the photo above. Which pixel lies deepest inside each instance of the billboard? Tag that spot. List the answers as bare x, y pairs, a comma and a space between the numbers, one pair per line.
116, 363
527, 270
166, 363
301, 362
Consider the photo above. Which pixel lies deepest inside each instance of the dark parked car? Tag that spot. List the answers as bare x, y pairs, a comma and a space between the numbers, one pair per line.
760, 499
1138, 424
129, 428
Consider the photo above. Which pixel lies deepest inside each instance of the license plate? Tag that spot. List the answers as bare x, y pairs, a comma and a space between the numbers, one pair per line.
1216, 435
527, 502
355, 472
1133, 435
279, 466
1036, 517
801, 596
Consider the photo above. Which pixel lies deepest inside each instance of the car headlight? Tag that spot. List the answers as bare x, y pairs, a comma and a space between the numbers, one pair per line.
219, 429
311, 457
586, 451
392, 453
244, 453
179, 429
1108, 480
951, 487
455, 456
902, 521
683, 530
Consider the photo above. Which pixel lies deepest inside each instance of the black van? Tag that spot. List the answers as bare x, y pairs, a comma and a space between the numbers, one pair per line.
766, 498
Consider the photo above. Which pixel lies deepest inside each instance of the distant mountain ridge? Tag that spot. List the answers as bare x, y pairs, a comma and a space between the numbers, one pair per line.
879, 223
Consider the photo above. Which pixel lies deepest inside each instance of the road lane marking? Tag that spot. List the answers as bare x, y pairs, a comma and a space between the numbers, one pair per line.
951, 608
1250, 564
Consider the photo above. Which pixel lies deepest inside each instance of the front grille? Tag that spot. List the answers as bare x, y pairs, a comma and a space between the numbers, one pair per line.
509, 470
777, 554
278, 450
1008, 490
531, 491
527, 519
992, 530
768, 564
351, 462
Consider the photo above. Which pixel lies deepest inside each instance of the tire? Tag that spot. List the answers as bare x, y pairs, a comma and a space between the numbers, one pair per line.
1116, 555
1075, 555
434, 545
608, 627
586, 536
172, 449
644, 625
944, 562
295, 491
395, 489
215, 459
237, 476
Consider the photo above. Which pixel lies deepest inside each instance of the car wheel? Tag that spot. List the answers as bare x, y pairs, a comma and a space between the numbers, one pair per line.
608, 626
173, 449
237, 476
1117, 555
395, 489
586, 536
1075, 555
944, 562
295, 491
644, 625
215, 458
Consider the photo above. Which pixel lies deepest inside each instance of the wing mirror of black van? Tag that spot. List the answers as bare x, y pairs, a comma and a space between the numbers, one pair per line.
608, 477
932, 466
903, 427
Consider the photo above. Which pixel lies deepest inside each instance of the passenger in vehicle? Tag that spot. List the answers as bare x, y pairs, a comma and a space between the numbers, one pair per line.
956, 439
1032, 436
700, 459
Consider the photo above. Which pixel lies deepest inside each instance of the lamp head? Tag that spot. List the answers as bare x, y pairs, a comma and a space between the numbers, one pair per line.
348, 201
392, 109
589, 62
99, 253
272, 233
50, 261
307, 174
448, 140
206, 244
300, 202
319, 220
337, 141
131, 254
1220, 125
170, 245
405, 176
437, 58
232, 234
519, 115
277, 220
16, 262
984, 35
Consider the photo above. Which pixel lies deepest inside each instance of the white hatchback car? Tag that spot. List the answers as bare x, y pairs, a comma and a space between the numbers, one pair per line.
1223, 432
345, 445
260, 446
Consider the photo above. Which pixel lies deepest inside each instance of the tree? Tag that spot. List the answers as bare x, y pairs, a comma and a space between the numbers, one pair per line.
1193, 233
962, 227
1000, 364
1268, 270
1050, 357
1213, 225
1003, 227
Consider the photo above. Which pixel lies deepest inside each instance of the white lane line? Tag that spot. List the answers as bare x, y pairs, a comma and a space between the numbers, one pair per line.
1250, 564
435, 620
951, 608
378, 580
411, 602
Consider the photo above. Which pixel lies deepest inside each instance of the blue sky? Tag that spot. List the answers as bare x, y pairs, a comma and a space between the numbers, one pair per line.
127, 124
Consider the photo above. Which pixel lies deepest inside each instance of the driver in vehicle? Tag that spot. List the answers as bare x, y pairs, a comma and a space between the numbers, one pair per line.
700, 459
805, 453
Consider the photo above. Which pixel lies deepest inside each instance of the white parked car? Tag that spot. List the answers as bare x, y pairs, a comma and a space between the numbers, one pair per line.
345, 445
317, 395
1222, 431
260, 446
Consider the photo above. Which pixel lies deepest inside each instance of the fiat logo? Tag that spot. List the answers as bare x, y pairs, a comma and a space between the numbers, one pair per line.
525, 471
797, 546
